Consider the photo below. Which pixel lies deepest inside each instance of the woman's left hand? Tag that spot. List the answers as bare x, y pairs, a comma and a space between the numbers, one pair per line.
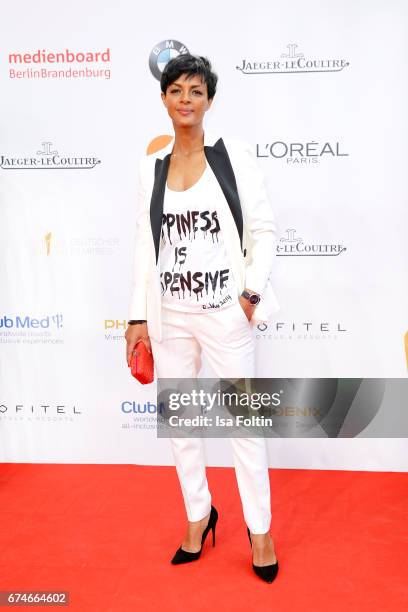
246, 307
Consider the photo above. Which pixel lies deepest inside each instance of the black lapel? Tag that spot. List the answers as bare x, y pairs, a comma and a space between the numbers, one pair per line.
156, 203
218, 158
220, 163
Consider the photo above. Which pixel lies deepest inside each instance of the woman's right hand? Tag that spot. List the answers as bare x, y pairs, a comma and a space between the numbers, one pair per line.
133, 334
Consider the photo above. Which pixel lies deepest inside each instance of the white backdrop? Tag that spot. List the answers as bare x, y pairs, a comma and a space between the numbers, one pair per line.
323, 98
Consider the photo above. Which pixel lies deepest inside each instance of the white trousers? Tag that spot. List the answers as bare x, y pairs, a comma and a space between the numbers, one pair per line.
225, 337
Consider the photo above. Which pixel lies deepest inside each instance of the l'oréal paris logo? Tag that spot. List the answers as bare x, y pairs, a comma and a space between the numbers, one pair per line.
295, 246
292, 62
48, 158
300, 153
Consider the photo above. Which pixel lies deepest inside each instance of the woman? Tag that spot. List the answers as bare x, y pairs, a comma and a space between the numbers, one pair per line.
203, 254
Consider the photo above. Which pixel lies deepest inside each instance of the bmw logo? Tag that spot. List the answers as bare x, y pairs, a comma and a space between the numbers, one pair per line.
163, 52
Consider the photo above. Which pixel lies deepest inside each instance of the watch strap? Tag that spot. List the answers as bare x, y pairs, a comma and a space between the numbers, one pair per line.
248, 296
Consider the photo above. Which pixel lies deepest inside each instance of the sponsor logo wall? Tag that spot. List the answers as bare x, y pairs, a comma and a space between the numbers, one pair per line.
323, 104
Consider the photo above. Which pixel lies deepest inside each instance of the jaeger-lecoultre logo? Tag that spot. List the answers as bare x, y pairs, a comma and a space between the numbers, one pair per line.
292, 62
48, 158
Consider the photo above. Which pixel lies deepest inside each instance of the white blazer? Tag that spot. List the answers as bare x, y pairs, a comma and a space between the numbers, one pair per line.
247, 222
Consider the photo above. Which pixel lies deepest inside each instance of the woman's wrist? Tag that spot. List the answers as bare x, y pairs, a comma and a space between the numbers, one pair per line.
252, 297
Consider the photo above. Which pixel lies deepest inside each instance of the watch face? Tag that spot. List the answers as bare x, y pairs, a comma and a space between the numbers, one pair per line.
254, 299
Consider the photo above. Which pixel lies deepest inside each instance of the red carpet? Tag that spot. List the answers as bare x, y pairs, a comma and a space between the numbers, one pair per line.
106, 534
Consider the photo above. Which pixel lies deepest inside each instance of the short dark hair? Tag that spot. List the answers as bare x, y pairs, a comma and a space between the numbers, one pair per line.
185, 63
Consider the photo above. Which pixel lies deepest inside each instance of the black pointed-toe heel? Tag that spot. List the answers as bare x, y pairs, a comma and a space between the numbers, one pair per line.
266, 572
183, 556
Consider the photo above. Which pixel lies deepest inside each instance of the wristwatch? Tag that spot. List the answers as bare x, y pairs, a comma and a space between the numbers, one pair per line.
253, 298
134, 321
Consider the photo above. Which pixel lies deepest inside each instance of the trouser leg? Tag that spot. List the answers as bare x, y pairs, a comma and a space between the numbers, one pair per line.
227, 341
251, 469
178, 356
189, 458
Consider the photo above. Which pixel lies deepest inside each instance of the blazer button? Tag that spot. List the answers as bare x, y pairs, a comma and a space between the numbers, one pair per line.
245, 252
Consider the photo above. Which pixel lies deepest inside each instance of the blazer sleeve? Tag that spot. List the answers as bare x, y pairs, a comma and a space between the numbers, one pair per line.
259, 218
140, 269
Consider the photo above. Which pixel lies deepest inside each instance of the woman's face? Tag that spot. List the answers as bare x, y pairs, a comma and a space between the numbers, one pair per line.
186, 100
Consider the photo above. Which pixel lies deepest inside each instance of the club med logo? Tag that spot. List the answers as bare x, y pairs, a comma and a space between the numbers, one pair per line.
25, 322
138, 408
48, 158
163, 52
25, 329
300, 153
294, 246
62, 58
142, 416
292, 62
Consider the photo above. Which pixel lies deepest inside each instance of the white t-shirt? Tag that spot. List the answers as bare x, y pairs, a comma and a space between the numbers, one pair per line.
195, 271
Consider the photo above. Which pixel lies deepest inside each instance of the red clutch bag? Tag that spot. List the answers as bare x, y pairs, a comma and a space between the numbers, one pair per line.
141, 364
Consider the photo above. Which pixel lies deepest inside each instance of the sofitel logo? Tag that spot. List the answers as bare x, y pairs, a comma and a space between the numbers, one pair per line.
45, 413
294, 246
292, 62
43, 409
300, 152
301, 330
48, 158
